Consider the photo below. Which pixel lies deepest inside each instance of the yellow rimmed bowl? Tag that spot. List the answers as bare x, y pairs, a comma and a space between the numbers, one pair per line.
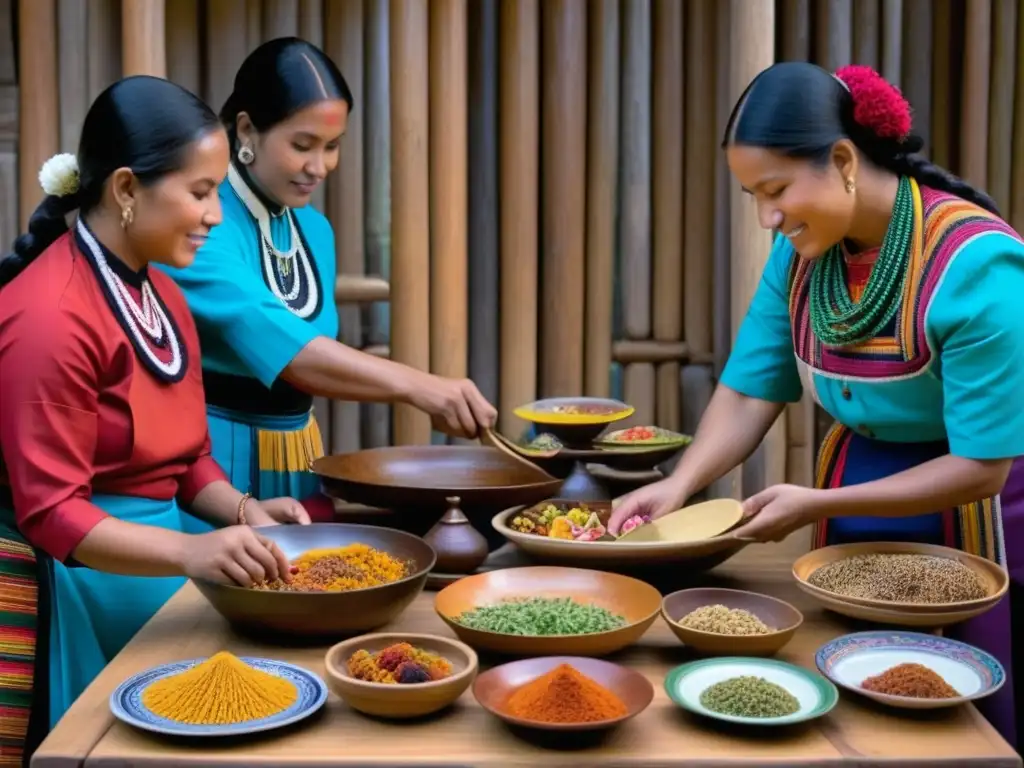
575, 421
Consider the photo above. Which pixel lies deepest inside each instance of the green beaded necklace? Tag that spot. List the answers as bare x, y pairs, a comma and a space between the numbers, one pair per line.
836, 319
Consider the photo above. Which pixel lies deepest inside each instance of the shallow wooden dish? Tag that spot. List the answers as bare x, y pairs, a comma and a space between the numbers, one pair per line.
777, 614
422, 477
636, 600
995, 579
698, 555
324, 615
393, 700
493, 687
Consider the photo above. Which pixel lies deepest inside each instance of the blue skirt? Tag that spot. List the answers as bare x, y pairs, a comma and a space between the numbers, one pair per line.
267, 456
91, 615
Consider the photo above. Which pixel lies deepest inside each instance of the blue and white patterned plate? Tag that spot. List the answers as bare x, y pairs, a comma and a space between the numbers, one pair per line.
849, 660
126, 700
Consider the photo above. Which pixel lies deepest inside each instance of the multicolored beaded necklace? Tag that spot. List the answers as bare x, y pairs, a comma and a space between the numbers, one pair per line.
839, 321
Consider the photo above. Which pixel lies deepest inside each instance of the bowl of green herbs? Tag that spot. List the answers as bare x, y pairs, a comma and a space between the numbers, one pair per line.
548, 611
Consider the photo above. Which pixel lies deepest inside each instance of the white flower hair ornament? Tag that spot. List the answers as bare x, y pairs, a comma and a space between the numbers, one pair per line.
59, 175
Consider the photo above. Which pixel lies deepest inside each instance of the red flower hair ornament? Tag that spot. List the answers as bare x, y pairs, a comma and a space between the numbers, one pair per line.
878, 105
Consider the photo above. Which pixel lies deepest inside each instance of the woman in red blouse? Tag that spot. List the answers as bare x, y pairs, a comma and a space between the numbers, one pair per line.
103, 437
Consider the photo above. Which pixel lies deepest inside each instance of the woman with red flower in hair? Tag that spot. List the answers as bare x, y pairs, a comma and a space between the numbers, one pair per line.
893, 295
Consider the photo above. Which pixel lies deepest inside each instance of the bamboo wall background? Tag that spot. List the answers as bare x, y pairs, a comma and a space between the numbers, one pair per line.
531, 191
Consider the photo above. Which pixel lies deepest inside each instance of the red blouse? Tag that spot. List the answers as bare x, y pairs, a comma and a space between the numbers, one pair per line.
80, 413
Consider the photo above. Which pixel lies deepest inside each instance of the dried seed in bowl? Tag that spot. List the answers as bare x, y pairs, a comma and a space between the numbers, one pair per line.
541, 616
900, 578
915, 680
749, 696
724, 621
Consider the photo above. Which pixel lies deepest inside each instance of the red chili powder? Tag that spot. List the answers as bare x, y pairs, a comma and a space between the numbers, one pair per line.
914, 680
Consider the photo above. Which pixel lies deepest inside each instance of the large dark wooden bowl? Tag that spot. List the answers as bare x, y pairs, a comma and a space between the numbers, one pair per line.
324, 616
414, 482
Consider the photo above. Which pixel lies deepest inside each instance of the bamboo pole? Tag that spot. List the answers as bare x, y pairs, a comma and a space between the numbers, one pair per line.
184, 60
143, 38
310, 21
1000, 118
867, 22
226, 48
892, 42
602, 188
563, 216
281, 18
918, 28
796, 30
410, 204
449, 194
73, 70
38, 110
834, 33
942, 83
104, 46
974, 110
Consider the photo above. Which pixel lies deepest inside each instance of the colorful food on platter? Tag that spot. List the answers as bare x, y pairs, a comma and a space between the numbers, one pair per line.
913, 680
644, 436
219, 691
400, 663
572, 523
633, 522
341, 569
541, 616
749, 696
564, 695
900, 578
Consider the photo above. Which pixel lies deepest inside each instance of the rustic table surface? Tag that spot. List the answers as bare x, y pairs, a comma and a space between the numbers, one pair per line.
855, 733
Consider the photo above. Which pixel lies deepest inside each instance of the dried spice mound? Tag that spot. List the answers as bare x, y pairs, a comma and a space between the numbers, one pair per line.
398, 663
900, 579
354, 566
564, 695
541, 616
724, 621
914, 680
749, 696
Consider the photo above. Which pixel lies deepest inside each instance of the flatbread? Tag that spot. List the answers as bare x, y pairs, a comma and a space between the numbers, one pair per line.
694, 523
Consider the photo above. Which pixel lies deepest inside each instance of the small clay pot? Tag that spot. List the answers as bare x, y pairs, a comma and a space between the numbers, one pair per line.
460, 547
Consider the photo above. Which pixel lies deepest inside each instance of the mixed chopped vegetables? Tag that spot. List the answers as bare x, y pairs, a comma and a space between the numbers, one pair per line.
572, 523
645, 435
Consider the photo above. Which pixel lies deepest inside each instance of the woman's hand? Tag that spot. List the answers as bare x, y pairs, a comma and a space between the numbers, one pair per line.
455, 406
281, 510
234, 555
776, 512
654, 501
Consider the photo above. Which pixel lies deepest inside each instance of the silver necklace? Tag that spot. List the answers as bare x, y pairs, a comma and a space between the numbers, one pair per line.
294, 265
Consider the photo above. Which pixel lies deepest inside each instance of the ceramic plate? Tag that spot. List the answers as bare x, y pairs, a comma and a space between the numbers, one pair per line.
659, 438
565, 410
694, 523
126, 700
685, 684
850, 659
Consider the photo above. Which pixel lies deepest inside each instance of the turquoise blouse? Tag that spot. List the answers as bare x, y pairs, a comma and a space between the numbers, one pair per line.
244, 329
971, 392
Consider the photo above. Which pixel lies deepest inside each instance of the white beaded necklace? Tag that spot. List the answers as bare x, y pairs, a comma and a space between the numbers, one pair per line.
294, 262
148, 320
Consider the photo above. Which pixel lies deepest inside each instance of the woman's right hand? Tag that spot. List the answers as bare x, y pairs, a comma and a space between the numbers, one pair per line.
235, 555
654, 501
456, 407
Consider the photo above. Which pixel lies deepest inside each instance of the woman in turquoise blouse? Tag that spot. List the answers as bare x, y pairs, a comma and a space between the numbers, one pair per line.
262, 287
891, 294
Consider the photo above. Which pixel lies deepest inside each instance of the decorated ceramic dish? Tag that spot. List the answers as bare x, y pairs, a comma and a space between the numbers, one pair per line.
574, 410
642, 437
850, 660
811, 694
126, 700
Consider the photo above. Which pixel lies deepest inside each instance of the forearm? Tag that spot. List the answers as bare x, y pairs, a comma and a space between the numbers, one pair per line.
217, 503
114, 546
941, 483
328, 368
733, 425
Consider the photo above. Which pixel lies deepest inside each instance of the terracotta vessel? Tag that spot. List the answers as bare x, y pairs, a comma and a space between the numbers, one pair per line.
459, 546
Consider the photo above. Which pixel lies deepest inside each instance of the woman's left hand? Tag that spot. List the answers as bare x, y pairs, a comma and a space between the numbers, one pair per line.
778, 511
282, 510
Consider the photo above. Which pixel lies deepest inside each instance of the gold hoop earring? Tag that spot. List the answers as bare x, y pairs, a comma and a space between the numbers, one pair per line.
127, 217
850, 186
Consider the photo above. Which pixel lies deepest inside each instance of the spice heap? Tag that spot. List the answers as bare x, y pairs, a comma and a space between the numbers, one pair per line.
398, 663
724, 621
544, 442
914, 680
355, 566
900, 578
564, 695
219, 691
575, 523
749, 696
541, 616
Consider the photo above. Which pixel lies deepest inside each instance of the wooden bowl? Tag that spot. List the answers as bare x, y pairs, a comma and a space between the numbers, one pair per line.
422, 477
993, 577
493, 687
324, 615
393, 700
777, 614
638, 601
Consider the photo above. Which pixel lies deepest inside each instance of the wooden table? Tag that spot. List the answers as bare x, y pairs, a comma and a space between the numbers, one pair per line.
855, 733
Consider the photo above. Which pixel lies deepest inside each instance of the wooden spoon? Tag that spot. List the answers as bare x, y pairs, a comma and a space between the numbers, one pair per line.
503, 444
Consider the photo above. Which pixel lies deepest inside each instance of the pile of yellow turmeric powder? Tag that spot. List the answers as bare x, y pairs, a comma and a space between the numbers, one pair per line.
219, 691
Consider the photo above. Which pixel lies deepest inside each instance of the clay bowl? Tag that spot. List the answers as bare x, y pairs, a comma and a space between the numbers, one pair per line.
993, 576
396, 701
574, 429
324, 615
493, 687
778, 614
638, 601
